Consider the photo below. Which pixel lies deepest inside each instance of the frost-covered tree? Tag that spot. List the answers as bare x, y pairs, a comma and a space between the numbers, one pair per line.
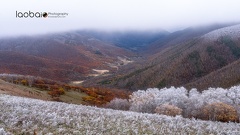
147, 101
173, 96
213, 95
194, 104
144, 101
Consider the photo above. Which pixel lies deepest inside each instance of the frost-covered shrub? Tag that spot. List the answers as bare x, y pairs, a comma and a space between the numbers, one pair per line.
220, 112
24, 116
191, 102
4, 132
169, 110
147, 101
119, 104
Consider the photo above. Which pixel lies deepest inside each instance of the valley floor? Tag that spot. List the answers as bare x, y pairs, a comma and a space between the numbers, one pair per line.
20, 115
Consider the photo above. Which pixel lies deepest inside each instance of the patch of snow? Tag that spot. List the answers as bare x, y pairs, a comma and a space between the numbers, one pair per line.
101, 71
77, 82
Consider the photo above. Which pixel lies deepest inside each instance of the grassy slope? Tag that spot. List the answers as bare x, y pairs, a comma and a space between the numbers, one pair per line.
29, 115
73, 97
24, 91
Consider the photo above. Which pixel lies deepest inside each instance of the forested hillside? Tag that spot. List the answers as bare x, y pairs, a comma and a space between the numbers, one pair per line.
195, 62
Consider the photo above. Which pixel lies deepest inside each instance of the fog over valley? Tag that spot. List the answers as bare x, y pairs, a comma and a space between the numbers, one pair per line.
111, 15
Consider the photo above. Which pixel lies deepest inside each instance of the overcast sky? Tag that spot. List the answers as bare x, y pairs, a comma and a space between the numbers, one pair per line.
115, 15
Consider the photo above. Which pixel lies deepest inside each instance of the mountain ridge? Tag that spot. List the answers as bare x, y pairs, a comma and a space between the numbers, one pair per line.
185, 62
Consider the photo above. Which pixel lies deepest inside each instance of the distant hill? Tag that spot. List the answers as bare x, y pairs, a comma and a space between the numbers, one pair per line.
208, 58
64, 56
131, 40
180, 36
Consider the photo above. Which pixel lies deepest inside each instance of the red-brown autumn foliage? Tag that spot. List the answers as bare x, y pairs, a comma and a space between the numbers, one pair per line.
169, 110
220, 112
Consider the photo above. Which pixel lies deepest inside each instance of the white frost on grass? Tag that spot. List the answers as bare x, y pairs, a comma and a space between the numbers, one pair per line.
23, 115
232, 31
3, 132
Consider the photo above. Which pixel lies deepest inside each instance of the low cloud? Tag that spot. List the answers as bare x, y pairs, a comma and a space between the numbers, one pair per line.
110, 15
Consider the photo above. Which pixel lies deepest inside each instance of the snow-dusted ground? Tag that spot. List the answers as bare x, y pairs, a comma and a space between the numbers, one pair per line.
232, 31
23, 115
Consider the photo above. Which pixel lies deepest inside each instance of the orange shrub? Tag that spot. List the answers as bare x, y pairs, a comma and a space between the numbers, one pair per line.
24, 82
56, 92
